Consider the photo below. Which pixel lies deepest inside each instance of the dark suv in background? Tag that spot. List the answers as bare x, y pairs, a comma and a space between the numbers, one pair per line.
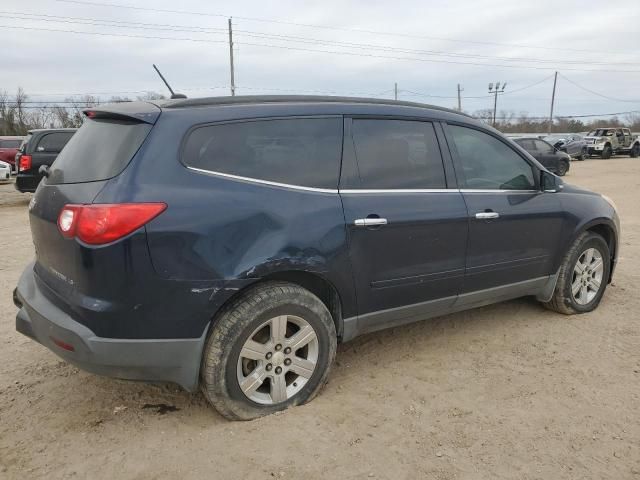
40, 147
230, 243
552, 158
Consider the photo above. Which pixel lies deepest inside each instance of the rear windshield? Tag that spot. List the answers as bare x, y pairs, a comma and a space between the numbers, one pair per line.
99, 150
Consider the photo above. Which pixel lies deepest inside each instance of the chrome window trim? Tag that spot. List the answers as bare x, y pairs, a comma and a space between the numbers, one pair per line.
262, 182
488, 190
351, 191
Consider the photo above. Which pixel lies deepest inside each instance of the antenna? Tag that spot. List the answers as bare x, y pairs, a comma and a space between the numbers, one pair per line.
173, 94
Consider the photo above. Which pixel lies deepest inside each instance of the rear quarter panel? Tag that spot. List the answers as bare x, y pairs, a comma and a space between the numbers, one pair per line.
220, 231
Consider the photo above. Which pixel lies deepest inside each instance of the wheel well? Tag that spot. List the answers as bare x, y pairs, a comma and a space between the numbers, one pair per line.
319, 286
606, 232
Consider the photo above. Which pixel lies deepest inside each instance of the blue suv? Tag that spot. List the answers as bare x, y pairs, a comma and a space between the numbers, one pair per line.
231, 243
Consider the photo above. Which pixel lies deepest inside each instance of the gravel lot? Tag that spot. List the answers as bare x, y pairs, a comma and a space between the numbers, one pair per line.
506, 391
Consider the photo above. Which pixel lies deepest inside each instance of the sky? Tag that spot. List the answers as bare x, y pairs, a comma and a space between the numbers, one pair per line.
353, 48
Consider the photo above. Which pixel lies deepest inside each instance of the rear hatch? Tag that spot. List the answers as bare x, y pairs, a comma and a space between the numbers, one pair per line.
100, 150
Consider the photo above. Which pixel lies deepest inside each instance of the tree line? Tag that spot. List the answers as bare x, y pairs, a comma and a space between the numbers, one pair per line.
511, 122
18, 114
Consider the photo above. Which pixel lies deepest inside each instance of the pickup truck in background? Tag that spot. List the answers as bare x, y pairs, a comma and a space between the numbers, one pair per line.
607, 141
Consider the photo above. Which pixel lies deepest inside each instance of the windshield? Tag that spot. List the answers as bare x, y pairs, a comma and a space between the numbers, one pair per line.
602, 132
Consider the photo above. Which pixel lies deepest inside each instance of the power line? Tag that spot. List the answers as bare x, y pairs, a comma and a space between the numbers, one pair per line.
288, 38
428, 60
332, 52
598, 94
330, 27
22, 27
109, 23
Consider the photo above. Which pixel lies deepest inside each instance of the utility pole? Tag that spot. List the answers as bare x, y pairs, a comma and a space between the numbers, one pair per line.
459, 101
495, 99
395, 90
553, 99
233, 82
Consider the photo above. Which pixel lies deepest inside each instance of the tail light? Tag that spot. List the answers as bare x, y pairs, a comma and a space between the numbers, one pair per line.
99, 224
25, 163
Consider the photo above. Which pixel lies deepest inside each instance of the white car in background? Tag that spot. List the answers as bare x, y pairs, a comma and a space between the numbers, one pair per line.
5, 172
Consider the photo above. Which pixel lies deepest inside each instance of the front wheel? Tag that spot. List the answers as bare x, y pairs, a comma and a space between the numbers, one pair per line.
606, 152
563, 167
583, 276
269, 350
635, 151
584, 153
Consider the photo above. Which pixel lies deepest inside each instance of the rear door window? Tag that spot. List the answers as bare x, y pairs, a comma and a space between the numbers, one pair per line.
397, 154
99, 150
53, 142
299, 151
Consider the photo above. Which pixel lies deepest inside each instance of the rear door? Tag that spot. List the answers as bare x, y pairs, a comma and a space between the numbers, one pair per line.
407, 228
514, 228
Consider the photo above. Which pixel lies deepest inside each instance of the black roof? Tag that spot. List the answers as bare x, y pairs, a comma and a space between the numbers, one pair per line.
249, 99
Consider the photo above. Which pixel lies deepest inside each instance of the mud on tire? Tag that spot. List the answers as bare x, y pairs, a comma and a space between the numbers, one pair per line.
236, 325
563, 300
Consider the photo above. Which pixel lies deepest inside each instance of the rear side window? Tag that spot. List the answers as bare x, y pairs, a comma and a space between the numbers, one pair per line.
488, 163
397, 154
99, 150
53, 142
302, 151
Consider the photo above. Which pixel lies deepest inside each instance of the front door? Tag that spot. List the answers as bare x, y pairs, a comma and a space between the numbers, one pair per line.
514, 227
407, 230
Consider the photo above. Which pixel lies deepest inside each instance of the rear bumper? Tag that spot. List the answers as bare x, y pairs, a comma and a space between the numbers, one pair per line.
164, 360
26, 182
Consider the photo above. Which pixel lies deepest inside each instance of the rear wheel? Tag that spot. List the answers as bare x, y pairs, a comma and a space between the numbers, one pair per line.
635, 151
583, 276
606, 152
269, 350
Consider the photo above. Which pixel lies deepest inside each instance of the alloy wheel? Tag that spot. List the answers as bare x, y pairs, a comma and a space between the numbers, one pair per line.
587, 276
277, 359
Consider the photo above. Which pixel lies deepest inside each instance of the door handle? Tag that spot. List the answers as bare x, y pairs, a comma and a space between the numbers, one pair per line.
370, 222
487, 215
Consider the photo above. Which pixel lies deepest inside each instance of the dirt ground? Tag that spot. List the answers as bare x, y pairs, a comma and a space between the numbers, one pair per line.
502, 392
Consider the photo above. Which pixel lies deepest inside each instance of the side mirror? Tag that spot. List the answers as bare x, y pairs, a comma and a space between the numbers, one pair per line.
549, 182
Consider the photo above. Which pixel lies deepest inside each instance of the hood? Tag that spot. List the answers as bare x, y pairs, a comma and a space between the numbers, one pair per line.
569, 188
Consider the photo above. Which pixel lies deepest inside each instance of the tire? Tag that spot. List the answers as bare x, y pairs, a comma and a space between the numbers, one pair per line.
563, 167
606, 153
227, 364
564, 300
584, 153
635, 151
